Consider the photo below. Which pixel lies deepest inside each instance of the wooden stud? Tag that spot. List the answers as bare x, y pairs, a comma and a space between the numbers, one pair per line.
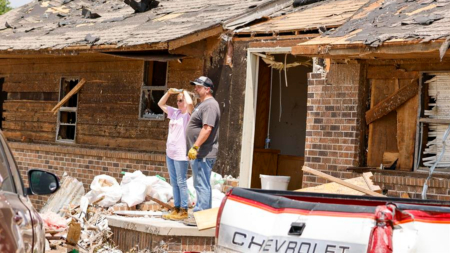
340, 181
69, 95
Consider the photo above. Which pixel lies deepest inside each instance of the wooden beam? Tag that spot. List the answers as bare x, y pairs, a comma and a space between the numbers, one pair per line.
435, 121
367, 178
341, 182
69, 95
195, 37
392, 102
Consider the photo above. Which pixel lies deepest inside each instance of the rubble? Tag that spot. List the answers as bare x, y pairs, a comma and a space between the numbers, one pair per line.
80, 222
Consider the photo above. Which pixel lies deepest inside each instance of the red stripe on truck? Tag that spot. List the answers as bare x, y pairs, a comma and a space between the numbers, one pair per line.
270, 209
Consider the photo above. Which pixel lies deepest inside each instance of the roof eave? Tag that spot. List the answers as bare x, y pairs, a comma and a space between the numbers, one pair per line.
389, 50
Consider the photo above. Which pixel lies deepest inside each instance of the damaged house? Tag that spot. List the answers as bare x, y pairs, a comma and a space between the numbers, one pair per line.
80, 80
275, 102
390, 60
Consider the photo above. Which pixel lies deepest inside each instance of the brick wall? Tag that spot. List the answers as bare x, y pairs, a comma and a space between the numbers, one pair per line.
332, 132
127, 239
83, 163
335, 135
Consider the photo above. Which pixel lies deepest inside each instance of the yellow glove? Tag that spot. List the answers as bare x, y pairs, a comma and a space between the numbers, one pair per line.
192, 154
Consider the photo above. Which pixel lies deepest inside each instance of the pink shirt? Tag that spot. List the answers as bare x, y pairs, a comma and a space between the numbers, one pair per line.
176, 140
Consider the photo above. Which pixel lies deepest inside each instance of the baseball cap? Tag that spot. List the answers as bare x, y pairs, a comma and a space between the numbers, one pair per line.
203, 81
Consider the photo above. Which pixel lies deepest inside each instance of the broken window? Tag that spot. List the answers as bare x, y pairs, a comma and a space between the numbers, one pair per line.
153, 88
67, 115
434, 122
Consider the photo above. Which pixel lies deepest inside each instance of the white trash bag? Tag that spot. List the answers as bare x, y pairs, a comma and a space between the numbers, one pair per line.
136, 186
216, 181
217, 197
104, 186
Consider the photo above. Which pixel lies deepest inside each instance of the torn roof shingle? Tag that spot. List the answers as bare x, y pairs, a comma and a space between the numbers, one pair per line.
329, 13
382, 21
58, 24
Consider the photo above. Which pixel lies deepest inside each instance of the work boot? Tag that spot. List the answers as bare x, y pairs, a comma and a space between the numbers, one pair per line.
182, 215
175, 211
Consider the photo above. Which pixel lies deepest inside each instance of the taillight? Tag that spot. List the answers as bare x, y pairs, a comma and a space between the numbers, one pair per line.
219, 214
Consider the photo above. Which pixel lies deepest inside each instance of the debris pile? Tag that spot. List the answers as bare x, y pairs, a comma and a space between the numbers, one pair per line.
78, 221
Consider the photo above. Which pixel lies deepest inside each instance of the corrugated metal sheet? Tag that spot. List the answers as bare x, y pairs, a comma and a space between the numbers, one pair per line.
57, 24
332, 13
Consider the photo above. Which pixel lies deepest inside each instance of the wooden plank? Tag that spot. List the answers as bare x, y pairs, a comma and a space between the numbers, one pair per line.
27, 106
134, 144
435, 121
335, 188
206, 219
106, 98
340, 181
392, 102
30, 116
213, 31
27, 136
289, 165
123, 132
30, 86
265, 161
69, 95
30, 126
389, 158
383, 132
367, 176
390, 71
111, 109
406, 130
42, 96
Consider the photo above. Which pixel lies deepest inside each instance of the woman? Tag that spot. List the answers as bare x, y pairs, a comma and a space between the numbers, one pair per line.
176, 158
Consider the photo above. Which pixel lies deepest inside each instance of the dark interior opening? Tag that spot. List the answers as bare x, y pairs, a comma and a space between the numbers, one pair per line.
66, 132
66, 86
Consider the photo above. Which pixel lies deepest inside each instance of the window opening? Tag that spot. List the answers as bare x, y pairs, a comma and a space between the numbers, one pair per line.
153, 88
434, 121
67, 115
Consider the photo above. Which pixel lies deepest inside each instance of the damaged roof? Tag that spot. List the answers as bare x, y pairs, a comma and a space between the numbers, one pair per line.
323, 14
381, 22
59, 24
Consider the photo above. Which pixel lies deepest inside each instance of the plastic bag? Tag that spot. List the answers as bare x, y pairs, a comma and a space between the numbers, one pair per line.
216, 181
104, 186
136, 186
217, 197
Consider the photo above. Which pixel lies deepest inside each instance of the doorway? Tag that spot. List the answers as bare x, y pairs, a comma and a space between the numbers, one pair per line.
279, 123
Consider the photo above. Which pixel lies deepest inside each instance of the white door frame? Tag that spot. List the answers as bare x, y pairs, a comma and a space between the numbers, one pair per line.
248, 127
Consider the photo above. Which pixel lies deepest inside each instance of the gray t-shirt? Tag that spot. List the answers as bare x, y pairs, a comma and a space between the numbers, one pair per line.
205, 113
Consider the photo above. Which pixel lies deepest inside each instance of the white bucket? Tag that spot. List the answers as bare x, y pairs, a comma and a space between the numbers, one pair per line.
274, 182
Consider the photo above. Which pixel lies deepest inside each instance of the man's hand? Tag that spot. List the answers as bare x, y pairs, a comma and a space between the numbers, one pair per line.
192, 154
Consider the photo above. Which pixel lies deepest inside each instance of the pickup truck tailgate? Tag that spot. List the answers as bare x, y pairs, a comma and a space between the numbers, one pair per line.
256, 222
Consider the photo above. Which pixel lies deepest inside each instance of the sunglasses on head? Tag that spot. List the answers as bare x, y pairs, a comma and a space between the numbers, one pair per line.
180, 100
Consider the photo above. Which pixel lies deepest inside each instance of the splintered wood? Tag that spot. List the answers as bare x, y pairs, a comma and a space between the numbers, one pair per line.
439, 92
356, 186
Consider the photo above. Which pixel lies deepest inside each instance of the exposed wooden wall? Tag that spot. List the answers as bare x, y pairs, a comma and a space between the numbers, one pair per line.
108, 105
396, 132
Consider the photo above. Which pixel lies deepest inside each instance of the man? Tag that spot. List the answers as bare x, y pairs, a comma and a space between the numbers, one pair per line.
202, 135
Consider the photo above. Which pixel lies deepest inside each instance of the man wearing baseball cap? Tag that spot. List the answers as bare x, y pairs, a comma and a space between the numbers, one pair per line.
202, 135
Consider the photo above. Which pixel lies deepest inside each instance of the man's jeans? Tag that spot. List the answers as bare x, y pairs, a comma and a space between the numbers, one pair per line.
177, 172
201, 170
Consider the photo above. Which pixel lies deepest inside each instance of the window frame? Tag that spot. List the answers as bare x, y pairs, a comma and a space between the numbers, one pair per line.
418, 155
145, 87
67, 109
